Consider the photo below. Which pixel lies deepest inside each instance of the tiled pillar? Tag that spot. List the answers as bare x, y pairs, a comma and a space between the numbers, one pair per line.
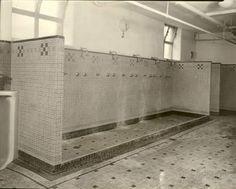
37, 73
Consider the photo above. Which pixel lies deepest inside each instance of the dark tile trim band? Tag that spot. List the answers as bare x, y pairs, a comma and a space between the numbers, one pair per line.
227, 112
131, 121
207, 61
227, 65
97, 157
154, 116
39, 38
33, 162
87, 131
214, 113
106, 127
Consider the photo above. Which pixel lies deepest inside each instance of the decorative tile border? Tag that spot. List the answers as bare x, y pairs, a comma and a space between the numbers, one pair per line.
200, 66
20, 51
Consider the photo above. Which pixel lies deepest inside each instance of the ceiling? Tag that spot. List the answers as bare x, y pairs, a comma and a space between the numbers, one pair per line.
216, 11
212, 16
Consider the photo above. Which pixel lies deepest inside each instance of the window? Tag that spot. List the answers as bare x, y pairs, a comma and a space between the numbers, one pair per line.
40, 17
24, 4
47, 28
170, 33
51, 8
22, 26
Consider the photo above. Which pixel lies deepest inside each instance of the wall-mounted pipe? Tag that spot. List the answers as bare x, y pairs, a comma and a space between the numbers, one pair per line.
230, 11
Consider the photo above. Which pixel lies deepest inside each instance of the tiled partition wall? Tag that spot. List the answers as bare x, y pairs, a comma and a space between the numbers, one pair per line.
103, 88
228, 87
5, 64
215, 88
37, 72
191, 87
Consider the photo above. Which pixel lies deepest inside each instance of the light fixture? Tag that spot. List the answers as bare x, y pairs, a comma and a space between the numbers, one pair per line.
226, 3
124, 26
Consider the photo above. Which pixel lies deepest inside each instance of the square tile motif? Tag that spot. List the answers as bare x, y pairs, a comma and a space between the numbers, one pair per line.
44, 49
20, 51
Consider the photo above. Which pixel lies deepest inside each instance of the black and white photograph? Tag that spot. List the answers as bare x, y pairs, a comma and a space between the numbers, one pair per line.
117, 94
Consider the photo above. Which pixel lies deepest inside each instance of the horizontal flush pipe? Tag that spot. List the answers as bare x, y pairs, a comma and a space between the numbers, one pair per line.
230, 11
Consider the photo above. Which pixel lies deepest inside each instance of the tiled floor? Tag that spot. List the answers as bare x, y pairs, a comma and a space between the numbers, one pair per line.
12, 179
84, 145
202, 158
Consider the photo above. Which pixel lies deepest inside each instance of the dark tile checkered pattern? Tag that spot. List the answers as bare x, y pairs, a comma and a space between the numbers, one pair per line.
200, 66
70, 57
44, 49
180, 66
20, 51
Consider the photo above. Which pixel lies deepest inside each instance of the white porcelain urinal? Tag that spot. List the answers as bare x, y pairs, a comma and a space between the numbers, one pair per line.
8, 101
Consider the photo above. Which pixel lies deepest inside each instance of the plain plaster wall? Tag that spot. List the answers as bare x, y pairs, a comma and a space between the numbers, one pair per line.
216, 51
188, 44
98, 29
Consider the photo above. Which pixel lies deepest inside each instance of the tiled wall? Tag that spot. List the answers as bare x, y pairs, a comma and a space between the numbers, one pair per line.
5, 65
228, 87
101, 88
191, 87
37, 73
215, 88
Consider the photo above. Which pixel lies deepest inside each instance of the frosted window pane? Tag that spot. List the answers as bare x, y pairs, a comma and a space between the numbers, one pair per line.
170, 35
47, 28
22, 26
168, 51
24, 4
52, 7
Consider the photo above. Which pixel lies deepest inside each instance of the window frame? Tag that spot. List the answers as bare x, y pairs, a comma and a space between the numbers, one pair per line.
37, 16
171, 43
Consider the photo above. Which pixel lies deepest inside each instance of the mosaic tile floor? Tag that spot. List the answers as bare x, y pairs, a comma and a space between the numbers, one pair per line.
74, 148
203, 157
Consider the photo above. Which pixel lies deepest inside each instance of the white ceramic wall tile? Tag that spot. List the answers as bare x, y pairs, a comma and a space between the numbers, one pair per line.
228, 87
191, 87
215, 88
101, 88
